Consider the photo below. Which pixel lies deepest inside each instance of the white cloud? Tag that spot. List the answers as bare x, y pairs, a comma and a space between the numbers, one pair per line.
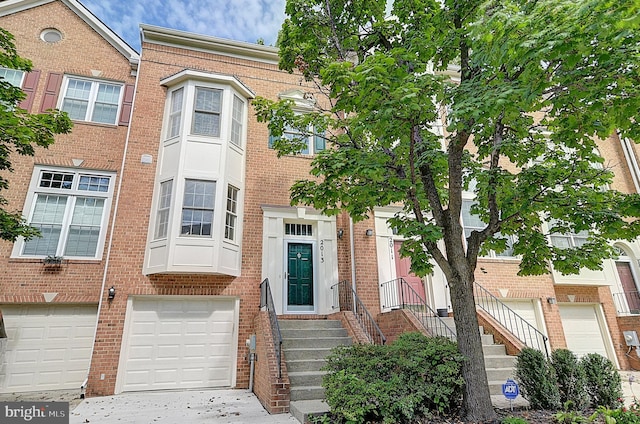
242, 20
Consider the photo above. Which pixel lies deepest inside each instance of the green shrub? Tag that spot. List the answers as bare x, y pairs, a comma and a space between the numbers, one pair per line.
603, 382
537, 380
396, 383
571, 379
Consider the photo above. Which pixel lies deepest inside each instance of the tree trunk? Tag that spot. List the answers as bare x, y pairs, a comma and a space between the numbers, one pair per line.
476, 398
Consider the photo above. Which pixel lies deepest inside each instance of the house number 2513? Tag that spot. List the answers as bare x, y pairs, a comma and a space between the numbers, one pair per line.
321, 251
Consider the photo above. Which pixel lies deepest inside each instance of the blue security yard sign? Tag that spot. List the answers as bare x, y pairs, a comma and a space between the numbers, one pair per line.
510, 389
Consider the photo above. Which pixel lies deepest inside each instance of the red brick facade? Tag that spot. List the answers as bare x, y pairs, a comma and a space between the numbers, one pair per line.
120, 149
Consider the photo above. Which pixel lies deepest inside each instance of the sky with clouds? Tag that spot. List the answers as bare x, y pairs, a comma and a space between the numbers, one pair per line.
241, 20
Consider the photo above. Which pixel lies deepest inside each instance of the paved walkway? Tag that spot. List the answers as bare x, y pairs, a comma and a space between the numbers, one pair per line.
171, 407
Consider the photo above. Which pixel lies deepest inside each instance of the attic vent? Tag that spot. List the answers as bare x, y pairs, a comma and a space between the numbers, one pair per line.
51, 35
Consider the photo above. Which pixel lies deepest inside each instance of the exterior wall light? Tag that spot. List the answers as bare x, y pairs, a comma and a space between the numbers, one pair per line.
340, 233
551, 300
369, 232
112, 293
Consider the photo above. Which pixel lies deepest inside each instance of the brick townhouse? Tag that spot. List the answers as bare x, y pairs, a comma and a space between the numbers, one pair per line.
168, 216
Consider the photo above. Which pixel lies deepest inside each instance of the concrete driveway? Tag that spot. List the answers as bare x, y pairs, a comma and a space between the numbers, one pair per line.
171, 407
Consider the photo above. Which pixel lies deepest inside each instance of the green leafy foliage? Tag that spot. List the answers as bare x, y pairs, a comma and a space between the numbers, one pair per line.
513, 420
571, 379
537, 380
412, 377
424, 99
603, 381
21, 132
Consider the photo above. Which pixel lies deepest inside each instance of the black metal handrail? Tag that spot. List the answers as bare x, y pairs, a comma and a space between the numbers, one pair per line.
346, 299
627, 302
398, 294
510, 320
266, 301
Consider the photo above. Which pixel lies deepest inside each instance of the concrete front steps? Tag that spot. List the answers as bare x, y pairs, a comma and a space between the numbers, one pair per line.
306, 344
498, 364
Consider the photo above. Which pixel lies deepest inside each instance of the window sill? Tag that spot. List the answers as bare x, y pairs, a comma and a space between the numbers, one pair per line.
38, 261
95, 124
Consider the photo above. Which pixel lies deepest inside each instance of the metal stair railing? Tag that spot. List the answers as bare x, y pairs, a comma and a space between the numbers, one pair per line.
398, 294
266, 301
627, 302
510, 320
346, 299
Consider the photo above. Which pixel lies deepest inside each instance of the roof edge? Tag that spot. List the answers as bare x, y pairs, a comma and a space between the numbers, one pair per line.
189, 40
9, 7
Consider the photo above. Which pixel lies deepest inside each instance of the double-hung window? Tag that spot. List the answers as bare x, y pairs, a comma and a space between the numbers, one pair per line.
175, 113
90, 100
473, 222
237, 119
206, 112
164, 207
12, 76
69, 208
231, 219
568, 239
197, 208
314, 143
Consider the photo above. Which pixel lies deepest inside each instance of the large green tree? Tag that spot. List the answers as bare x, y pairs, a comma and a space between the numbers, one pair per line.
527, 86
20, 132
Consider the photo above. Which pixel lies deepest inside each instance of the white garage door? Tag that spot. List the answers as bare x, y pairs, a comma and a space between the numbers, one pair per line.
582, 330
526, 310
178, 343
48, 347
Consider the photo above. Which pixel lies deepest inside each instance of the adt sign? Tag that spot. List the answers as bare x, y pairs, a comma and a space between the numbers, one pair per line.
510, 389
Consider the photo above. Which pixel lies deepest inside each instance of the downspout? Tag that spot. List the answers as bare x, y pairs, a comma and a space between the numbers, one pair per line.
632, 162
113, 223
353, 257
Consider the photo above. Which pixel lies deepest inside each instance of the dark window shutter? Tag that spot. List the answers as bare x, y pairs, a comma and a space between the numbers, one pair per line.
51, 89
29, 87
127, 104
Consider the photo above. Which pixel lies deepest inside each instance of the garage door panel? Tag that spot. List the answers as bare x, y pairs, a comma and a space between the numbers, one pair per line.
582, 330
179, 343
49, 346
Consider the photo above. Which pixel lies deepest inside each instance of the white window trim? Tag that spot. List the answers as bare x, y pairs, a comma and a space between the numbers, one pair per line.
34, 189
92, 97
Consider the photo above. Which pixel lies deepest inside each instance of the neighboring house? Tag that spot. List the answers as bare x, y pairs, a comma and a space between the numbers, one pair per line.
167, 226
68, 191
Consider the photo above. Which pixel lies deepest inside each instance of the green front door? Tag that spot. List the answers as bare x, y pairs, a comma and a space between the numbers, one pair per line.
300, 274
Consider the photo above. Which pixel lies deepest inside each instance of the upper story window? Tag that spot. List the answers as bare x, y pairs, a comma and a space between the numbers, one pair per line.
568, 239
473, 222
91, 100
197, 208
12, 76
70, 209
237, 120
206, 112
314, 142
175, 112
